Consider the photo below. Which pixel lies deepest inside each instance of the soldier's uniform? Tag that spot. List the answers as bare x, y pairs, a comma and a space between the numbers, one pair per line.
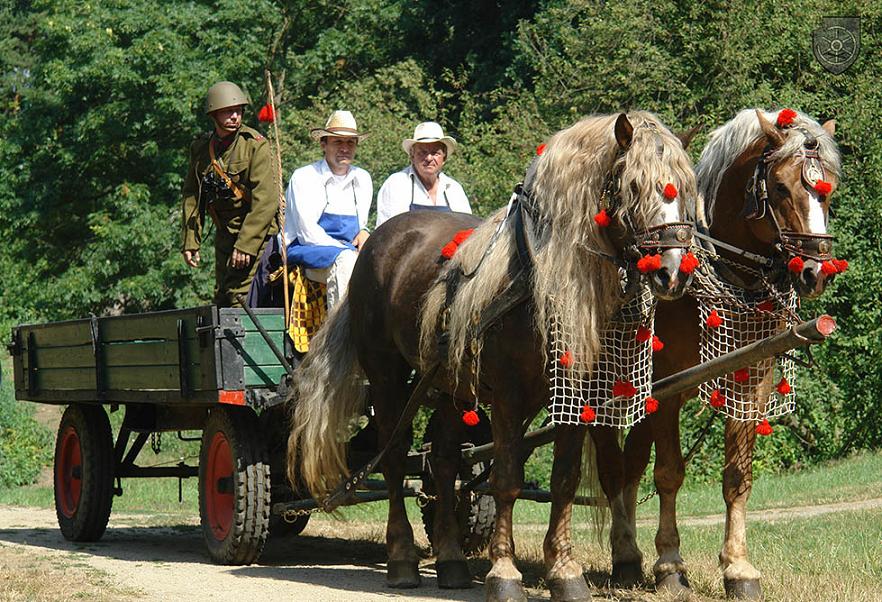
241, 196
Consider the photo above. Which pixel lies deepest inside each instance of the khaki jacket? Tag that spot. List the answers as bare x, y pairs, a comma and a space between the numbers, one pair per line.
243, 223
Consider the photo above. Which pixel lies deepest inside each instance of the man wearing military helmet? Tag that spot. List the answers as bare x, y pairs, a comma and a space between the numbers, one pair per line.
230, 178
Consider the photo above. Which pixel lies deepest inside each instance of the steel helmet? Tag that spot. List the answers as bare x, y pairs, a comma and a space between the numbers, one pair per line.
224, 94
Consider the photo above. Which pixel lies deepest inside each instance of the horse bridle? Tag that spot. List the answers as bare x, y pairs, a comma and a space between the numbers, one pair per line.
789, 243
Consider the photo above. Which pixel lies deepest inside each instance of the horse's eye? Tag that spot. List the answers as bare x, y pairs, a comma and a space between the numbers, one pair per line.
782, 190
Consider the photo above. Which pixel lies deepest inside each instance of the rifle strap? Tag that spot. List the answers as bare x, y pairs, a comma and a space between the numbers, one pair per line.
237, 191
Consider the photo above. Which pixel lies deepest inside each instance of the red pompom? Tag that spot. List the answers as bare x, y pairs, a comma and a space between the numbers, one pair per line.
828, 267
670, 191
643, 334
471, 418
783, 387
714, 320
266, 114
841, 265
651, 405
823, 188
717, 400
623, 388
764, 428
449, 250
567, 360
649, 263
601, 218
796, 265
588, 414
657, 344
462, 235
785, 118
688, 263
741, 376
765, 306
540, 149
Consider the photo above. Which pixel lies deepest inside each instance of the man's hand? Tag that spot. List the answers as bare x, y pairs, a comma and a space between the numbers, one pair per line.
360, 239
240, 260
191, 258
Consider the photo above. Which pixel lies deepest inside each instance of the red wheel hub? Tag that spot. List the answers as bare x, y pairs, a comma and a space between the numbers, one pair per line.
69, 472
219, 497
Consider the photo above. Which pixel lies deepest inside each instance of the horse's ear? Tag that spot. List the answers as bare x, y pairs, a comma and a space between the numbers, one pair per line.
687, 136
773, 135
830, 127
624, 131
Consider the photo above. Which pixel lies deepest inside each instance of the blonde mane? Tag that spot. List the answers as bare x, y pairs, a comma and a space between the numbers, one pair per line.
571, 285
730, 140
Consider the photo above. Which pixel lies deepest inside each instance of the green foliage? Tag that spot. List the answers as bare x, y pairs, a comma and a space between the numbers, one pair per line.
25, 445
99, 100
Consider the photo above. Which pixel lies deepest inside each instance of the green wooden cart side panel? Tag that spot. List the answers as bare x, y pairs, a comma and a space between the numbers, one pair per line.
263, 376
80, 356
66, 379
256, 351
64, 334
142, 353
274, 322
145, 326
144, 378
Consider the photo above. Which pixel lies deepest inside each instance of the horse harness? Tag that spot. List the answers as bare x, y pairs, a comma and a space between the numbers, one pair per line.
788, 243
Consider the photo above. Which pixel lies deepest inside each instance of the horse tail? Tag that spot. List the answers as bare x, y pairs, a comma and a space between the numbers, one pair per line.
328, 395
589, 486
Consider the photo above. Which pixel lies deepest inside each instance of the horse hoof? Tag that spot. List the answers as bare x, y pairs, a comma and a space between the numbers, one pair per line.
743, 589
569, 590
627, 574
403, 574
453, 574
504, 590
674, 583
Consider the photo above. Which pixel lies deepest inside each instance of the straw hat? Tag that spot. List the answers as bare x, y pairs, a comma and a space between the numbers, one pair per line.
427, 133
340, 124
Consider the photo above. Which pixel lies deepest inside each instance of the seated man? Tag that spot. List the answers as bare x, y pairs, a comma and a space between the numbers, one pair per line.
327, 208
421, 185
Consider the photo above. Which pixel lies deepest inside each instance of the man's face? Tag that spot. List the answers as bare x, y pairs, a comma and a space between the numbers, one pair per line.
228, 120
428, 159
339, 152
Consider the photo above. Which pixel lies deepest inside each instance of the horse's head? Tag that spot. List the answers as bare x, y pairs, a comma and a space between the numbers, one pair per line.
646, 198
788, 198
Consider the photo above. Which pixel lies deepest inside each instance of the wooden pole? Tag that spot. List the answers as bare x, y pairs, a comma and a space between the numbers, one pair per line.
271, 98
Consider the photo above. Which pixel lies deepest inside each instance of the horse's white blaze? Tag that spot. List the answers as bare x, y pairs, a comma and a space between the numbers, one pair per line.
817, 221
671, 212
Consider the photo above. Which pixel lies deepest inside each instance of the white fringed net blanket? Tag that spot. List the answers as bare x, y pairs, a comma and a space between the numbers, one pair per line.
624, 367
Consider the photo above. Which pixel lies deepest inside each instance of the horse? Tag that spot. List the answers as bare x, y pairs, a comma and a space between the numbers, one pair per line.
770, 242
603, 191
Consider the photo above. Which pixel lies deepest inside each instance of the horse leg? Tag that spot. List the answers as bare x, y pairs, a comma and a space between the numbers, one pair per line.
451, 566
387, 373
670, 469
503, 581
626, 557
628, 572
740, 578
564, 573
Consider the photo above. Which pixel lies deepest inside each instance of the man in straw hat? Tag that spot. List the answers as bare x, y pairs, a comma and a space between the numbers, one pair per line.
422, 185
327, 207
230, 177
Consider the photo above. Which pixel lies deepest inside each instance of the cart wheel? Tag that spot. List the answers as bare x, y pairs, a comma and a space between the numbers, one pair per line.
83, 472
234, 487
477, 515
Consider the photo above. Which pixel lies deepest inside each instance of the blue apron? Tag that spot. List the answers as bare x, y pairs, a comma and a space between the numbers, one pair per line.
445, 208
339, 227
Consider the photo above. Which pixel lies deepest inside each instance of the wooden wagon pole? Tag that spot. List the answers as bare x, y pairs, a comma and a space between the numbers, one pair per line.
271, 99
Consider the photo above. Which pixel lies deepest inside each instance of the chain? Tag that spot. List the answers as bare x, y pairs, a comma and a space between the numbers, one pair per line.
291, 516
156, 442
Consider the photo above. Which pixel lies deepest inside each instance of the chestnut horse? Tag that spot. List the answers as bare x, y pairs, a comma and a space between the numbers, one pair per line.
400, 300
774, 157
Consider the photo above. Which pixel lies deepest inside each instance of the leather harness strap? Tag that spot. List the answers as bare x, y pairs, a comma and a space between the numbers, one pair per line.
237, 190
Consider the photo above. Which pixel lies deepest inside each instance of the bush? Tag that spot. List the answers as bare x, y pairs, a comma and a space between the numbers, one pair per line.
25, 445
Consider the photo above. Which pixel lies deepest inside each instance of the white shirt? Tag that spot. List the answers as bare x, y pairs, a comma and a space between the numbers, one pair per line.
404, 187
314, 190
